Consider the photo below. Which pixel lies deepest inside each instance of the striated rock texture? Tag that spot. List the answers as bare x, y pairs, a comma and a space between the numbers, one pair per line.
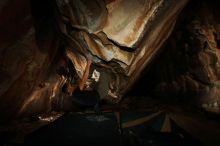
50, 48
121, 37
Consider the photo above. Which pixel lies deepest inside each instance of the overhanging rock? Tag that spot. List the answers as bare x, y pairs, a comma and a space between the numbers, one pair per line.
121, 37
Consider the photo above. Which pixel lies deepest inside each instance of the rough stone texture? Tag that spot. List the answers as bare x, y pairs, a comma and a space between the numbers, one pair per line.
124, 42
189, 67
46, 44
127, 27
27, 83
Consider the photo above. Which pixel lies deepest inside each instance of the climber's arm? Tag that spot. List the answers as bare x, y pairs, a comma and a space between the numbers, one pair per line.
85, 75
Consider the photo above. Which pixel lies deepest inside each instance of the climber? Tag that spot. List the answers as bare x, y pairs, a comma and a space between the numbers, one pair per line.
86, 94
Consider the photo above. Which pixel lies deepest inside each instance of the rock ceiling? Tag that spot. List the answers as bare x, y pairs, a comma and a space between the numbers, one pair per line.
122, 35
107, 43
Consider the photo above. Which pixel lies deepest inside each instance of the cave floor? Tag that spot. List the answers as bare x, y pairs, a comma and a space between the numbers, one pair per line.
154, 124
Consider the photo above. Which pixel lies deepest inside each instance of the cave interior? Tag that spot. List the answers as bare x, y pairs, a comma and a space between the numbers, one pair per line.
110, 72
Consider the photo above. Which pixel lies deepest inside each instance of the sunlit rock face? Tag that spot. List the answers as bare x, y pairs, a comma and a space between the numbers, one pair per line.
45, 45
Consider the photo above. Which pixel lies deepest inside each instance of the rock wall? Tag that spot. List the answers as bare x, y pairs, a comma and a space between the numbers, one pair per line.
47, 44
121, 37
189, 66
28, 56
